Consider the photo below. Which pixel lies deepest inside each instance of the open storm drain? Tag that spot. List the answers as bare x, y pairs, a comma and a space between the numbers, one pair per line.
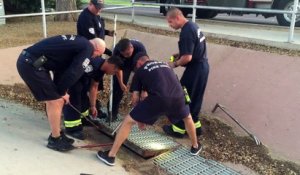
147, 143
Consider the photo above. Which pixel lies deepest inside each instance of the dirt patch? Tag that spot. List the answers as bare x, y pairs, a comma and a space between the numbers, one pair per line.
27, 30
220, 142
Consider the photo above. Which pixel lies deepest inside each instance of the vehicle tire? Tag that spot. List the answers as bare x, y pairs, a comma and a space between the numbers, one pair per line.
186, 11
206, 14
164, 9
285, 19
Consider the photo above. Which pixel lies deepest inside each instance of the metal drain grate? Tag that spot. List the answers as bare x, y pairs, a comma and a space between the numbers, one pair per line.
151, 140
146, 143
181, 162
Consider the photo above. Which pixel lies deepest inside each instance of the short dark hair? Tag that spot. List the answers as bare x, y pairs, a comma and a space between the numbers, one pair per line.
124, 44
139, 56
116, 60
174, 11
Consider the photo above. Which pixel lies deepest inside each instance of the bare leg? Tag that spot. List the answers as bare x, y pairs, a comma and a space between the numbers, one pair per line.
54, 109
122, 135
191, 130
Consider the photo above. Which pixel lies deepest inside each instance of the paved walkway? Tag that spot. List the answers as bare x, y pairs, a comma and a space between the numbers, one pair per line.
23, 134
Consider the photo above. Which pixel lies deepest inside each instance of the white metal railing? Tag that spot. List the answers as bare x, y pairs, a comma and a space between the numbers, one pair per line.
194, 6
44, 14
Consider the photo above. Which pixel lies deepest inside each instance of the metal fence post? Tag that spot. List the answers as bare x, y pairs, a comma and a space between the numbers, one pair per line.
293, 21
44, 18
132, 11
194, 10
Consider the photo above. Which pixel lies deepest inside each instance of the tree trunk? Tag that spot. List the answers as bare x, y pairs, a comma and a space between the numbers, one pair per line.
66, 5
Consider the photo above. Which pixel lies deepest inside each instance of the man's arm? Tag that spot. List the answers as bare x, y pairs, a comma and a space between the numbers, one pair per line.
136, 88
186, 49
120, 80
93, 97
183, 60
144, 95
135, 98
108, 52
109, 32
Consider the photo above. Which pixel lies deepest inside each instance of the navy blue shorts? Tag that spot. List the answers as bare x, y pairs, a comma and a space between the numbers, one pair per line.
38, 81
149, 110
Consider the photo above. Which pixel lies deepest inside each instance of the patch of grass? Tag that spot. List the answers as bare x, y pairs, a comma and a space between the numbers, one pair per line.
117, 2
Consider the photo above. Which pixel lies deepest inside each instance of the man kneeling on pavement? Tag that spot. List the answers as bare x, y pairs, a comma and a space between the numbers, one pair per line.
165, 97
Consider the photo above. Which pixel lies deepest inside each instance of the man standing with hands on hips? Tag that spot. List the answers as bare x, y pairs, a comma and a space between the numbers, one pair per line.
193, 56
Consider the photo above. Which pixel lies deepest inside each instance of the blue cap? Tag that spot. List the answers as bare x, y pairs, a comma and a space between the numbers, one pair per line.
98, 3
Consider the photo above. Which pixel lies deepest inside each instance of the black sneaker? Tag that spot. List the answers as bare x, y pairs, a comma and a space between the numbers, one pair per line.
169, 131
59, 144
69, 140
103, 156
76, 134
196, 151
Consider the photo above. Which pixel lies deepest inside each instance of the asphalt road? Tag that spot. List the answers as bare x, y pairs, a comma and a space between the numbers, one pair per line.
252, 19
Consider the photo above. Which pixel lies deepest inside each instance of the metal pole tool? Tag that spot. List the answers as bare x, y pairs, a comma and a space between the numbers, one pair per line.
111, 78
95, 145
257, 141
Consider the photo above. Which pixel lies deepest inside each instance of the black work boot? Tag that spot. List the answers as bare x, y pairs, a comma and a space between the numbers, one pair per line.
79, 134
169, 131
59, 144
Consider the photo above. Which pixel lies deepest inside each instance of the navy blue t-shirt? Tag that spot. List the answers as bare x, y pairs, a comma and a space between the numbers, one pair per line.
93, 71
91, 26
67, 56
128, 62
192, 42
158, 79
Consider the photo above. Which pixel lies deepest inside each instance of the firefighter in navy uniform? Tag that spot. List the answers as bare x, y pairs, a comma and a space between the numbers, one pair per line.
89, 25
67, 56
126, 49
193, 56
165, 97
98, 68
